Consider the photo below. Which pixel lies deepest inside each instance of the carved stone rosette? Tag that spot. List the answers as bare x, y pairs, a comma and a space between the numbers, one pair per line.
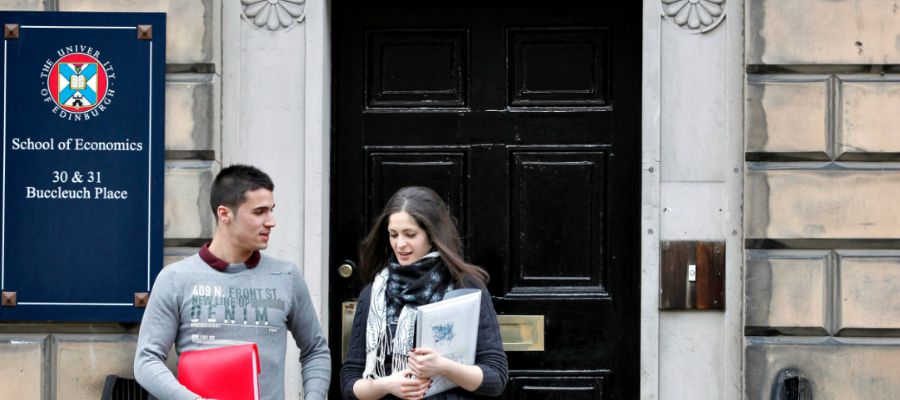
696, 16
273, 14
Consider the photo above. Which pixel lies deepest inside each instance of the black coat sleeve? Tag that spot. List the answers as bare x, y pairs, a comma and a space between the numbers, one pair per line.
355, 363
489, 355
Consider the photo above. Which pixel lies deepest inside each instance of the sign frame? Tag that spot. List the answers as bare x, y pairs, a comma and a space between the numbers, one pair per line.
84, 93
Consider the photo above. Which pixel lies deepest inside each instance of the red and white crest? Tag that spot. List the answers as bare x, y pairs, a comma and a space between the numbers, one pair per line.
77, 82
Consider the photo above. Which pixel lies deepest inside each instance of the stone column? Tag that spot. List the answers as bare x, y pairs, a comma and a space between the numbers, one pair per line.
275, 115
691, 189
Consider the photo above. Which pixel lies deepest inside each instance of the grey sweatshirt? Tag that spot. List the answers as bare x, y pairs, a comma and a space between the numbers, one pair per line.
198, 307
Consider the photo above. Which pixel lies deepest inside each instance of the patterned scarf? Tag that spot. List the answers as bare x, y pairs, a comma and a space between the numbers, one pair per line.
396, 293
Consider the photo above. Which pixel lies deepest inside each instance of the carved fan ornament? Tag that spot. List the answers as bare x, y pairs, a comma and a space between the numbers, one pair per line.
273, 14
696, 16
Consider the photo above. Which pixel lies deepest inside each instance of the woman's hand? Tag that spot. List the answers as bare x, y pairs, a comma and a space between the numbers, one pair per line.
397, 384
424, 362
400, 385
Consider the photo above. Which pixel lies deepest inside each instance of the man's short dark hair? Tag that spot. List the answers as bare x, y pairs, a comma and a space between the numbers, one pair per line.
230, 185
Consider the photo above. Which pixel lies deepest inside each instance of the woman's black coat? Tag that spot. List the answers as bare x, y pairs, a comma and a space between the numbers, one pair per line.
489, 353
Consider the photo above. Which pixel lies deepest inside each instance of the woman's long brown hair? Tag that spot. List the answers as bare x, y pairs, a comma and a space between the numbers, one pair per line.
430, 212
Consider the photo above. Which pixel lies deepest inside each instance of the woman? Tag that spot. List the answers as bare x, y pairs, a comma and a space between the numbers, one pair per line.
412, 257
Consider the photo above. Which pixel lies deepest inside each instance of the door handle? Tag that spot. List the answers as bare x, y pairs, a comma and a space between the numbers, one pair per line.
346, 269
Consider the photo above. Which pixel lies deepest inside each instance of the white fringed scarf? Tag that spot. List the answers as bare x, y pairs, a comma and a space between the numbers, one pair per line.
379, 342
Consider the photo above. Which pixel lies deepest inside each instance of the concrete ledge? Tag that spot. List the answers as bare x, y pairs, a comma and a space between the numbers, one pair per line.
24, 328
176, 254
867, 123
835, 368
788, 292
822, 201
189, 24
187, 214
191, 102
868, 283
822, 32
22, 367
25, 5
82, 363
788, 114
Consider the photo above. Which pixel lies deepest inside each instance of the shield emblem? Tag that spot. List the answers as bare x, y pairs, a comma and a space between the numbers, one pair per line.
77, 83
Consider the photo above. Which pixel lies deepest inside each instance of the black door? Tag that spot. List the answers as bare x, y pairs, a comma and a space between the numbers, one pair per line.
526, 119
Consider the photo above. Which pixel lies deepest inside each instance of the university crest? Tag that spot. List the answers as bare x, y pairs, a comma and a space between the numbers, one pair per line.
77, 82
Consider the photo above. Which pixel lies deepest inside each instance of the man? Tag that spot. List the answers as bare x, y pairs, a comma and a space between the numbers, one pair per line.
231, 294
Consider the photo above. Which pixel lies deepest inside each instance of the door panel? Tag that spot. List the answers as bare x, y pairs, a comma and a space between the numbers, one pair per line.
558, 387
535, 78
416, 68
557, 222
525, 119
443, 172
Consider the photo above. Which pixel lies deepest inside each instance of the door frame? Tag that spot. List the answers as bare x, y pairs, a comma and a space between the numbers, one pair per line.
653, 65
317, 154
317, 144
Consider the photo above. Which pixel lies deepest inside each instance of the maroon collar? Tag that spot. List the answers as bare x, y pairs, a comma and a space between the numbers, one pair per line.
221, 264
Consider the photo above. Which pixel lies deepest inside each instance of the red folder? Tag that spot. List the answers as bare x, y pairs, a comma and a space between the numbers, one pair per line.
224, 373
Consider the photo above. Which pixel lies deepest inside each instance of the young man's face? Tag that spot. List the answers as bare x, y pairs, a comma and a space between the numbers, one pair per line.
253, 221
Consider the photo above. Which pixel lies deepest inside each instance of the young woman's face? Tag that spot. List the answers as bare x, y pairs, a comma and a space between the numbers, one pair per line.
408, 239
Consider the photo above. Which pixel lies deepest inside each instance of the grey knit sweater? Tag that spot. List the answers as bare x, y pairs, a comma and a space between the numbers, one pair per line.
198, 307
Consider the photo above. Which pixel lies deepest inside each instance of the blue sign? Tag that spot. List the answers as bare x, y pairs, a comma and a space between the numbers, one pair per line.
82, 164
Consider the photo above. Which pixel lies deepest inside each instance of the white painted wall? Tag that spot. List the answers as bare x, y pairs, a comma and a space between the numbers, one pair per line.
275, 115
692, 135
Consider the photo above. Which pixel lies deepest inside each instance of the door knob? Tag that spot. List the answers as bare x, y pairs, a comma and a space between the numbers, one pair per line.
346, 269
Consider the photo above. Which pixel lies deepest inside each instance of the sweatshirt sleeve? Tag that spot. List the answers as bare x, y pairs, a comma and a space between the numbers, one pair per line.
158, 330
303, 322
355, 363
489, 354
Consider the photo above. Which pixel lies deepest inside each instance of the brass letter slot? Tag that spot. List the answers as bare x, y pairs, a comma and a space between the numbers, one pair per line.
348, 311
519, 332
522, 332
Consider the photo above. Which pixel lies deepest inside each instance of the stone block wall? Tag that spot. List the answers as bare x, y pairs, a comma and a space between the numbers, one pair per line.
22, 366
71, 360
822, 198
